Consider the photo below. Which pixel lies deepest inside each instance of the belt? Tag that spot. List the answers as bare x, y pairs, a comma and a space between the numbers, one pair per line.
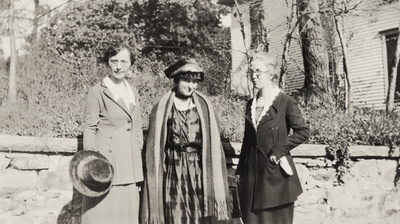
185, 148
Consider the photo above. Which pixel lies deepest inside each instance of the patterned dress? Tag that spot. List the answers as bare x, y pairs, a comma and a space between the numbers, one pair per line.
183, 171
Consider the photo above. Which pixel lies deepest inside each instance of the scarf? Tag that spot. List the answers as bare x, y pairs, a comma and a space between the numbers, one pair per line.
267, 103
214, 178
117, 93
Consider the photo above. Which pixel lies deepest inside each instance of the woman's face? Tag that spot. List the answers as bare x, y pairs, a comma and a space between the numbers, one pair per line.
187, 86
120, 64
260, 74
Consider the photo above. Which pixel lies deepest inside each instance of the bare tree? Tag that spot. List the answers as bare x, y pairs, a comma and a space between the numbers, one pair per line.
340, 9
12, 89
339, 25
286, 45
259, 31
34, 34
393, 76
247, 51
314, 50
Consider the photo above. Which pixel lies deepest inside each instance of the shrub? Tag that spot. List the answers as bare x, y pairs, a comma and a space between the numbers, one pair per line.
52, 91
366, 126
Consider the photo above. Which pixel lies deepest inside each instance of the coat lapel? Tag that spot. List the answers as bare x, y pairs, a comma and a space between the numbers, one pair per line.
120, 102
271, 111
248, 114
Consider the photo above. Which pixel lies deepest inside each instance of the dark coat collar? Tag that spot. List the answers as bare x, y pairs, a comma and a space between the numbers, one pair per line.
273, 110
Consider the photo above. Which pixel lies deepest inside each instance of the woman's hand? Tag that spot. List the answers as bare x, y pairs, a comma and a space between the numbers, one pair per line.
237, 179
274, 159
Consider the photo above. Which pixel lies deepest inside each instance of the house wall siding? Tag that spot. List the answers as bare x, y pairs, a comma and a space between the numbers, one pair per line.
363, 27
276, 14
366, 50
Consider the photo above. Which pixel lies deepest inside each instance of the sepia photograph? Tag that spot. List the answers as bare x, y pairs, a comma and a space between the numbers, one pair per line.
199, 111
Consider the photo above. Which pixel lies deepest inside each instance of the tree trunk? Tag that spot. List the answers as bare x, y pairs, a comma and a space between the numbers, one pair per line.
393, 76
349, 82
257, 14
286, 46
12, 89
315, 54
34, 35
247, 52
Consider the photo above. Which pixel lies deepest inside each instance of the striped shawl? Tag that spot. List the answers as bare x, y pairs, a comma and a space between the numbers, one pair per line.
214, 178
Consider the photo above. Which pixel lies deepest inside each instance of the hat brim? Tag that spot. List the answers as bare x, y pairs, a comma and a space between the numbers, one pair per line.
188, 68
77, 182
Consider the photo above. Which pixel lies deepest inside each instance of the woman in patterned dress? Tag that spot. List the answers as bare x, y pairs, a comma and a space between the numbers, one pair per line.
185, 171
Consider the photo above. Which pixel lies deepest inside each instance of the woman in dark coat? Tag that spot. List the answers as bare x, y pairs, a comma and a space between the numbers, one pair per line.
268, 179
185, 181
113, 127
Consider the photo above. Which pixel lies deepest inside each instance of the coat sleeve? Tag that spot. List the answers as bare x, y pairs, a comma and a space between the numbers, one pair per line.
244, 148
139, 130
296, 122
92, 110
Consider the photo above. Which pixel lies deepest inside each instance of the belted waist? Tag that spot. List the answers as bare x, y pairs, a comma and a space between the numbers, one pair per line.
188, 147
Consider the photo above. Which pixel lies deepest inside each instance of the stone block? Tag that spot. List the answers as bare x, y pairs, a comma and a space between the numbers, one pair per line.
389, 203
20, 219
46, 218
8, 204
54, 180
309, 150
19, 210
42, 211
386, 171
15, 180
25, 195
312, 196
31, 162
364, 169
4, 216
59, 162
64, 162
368, 151
36, 144
311, 213
4, 162
338, 195
324, 174
306, 180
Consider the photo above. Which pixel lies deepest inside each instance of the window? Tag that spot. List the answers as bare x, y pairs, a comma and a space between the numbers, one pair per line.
384, 2
391, 41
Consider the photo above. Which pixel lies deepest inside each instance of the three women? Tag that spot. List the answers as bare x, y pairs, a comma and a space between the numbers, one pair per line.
267, 176
185, 168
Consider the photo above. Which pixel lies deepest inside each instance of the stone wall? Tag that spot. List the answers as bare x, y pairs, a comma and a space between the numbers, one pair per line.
35, 185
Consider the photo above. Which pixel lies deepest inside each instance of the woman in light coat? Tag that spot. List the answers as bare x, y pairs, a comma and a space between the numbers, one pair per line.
113, 127
267, 176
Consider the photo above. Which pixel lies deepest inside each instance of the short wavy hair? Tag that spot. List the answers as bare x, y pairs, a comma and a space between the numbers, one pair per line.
113, 50
268, 60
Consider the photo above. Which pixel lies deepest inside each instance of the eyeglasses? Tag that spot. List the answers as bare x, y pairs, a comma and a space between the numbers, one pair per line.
114, 63
257, 72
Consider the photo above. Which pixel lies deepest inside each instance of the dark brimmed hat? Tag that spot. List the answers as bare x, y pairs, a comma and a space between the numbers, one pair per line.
91, 173
187, 68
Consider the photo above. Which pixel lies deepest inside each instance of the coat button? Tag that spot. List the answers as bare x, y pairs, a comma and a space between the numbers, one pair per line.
129, 121
110, 151
128, 129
